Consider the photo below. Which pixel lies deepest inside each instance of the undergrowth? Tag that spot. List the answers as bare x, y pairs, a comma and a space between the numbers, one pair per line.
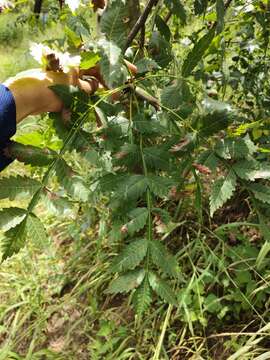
154, 239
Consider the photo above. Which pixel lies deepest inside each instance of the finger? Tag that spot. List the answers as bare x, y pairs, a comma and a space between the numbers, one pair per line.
89, 86
74, 76
95, 72
132, 68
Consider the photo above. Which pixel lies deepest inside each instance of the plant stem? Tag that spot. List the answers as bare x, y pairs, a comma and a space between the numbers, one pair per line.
149, 206
140, 23
162, 335
37, 8
168, 17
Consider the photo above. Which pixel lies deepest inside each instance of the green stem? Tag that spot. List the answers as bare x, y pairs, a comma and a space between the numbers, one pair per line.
163, 332
73, 131
149, 206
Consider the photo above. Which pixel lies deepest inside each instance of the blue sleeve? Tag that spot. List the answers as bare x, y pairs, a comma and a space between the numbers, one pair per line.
7, 123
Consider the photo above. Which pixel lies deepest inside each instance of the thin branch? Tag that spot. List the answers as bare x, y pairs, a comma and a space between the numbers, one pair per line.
37, 8
142, 38
168, 16
145, 96
140, 22
227, 4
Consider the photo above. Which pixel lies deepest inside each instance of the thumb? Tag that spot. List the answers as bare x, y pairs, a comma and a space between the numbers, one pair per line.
90, 86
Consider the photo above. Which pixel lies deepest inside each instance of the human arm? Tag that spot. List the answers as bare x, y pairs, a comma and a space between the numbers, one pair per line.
28, 94
32, 95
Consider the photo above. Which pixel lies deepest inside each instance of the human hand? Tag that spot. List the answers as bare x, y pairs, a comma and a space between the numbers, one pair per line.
95, 72
33, 96
98, 4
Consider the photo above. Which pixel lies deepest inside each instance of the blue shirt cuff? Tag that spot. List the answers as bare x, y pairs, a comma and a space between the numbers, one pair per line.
7, 122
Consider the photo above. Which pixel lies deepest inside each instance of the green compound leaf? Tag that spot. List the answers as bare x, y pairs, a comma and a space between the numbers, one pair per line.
129, 154
71, 182
37, 232
129, 281
157, 157
200, 6
148, 126
113, 23
15, 238
235, 148
112, 68
178, 101
146, 65
132, 187
32, 155
220, 8
12, 187
209, 159
162, 259
160, 49
212, 304
131, 256
247, 169
162, 288
138, 220
88, 60
222, 190
142, 297
159, 185
177, 8
11, 217
214, 122
261, 192
111, 182
196, 54
163, 28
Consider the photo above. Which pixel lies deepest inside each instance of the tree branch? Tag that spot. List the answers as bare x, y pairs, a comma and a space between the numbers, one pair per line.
227, 4
140, 22
134, 12
168, 16
37, 8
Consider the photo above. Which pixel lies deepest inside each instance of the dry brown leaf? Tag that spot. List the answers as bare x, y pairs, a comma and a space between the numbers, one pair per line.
184, 142
98, 4
202, 169
57, 345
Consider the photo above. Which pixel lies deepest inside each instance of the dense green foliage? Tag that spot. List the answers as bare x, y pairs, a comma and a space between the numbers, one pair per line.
177, 189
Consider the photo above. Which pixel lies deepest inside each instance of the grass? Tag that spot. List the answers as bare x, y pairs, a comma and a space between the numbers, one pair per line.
53, 306
14, 51
53, 303
15, 39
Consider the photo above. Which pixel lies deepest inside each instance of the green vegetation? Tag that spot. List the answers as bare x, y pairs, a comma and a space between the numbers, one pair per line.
145, 234
14, 52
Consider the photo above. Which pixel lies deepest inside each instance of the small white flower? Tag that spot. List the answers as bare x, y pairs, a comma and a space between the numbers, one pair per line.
73, 4
66, 61
39, 52
186, 41
4, 4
